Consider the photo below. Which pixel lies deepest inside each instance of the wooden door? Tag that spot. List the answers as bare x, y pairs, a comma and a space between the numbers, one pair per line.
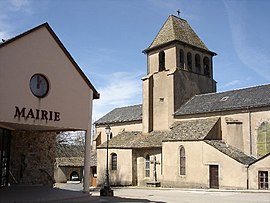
213, 177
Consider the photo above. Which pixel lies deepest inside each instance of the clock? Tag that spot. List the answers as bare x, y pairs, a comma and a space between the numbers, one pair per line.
39, 85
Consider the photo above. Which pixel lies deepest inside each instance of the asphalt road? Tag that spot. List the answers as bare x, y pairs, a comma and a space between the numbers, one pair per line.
162, 195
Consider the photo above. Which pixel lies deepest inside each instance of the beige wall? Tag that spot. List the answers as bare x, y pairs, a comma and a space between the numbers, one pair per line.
199, 156
165, 91
123, 174
69, 94
238, 127
140, 156
262, 165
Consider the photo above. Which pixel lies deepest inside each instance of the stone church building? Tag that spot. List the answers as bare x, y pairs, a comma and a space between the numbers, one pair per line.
184, 134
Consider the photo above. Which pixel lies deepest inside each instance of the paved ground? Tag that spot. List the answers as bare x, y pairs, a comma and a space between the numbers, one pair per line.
71, 193
162, 195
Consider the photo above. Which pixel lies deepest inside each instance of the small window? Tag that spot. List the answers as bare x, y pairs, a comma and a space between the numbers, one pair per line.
147, 166
182, 58
198, 63
224, 98
182, 161
161, 60
114, 161
189, 60
206, 66
263, 183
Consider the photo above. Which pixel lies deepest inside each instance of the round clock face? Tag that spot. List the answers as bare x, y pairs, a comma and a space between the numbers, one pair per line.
39, 85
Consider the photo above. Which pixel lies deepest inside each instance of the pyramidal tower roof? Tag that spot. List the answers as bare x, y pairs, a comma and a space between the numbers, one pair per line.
176, 29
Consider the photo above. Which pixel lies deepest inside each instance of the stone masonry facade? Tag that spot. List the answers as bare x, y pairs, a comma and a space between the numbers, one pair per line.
32, 157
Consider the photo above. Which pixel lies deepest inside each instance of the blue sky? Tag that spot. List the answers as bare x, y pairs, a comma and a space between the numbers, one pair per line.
106, 38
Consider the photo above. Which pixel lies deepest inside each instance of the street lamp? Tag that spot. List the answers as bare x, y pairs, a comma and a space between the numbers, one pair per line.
106, 190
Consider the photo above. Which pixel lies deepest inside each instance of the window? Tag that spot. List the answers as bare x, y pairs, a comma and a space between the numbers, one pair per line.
111, 135
182, 161
198, 63
263, 183
206, 66
114, 161
182, 59
161, 60
189, 60
263, 139
147, 166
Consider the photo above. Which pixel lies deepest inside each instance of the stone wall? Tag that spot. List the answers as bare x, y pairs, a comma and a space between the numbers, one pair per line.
32, 157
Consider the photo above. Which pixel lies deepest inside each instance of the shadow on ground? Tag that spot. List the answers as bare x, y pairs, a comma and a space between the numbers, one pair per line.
42, 194
121, 199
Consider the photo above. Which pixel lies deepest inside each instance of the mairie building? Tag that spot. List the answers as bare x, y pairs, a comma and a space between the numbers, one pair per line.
43, 92
185, 134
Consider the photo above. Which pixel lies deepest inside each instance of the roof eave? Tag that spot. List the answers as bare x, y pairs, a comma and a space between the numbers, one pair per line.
160, 46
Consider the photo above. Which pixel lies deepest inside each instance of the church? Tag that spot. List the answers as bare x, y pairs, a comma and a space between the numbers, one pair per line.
185, 134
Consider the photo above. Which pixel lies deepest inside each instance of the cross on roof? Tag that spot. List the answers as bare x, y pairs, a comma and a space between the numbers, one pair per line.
178, 12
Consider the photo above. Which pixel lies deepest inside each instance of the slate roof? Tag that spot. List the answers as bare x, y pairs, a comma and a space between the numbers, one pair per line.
136, 139
191, 129
230, 151
122, 114
176, 29
252, 97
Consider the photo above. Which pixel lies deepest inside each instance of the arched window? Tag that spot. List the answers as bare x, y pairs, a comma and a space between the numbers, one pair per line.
114, 161
182, 58
111, 135
147, 166
198, 63
263, 139
161, 57
182, 161
206, 66
189, 60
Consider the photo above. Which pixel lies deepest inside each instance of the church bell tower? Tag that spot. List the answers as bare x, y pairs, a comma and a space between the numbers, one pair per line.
179, 66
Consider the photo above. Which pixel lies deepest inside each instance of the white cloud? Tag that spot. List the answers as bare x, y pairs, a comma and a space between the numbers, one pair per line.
231, 83
9, 9
252, 54
17, 5
121, 89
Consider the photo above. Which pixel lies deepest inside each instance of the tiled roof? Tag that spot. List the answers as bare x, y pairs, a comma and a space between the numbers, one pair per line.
191, 129
232, 152
258, 96
65, 150
70, 161
135, 139
122, 114
73, 155
178, 29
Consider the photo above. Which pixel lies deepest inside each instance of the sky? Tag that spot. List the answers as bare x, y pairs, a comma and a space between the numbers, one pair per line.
106, 39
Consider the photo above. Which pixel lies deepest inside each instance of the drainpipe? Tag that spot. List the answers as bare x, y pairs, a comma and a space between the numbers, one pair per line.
247, 176
250, 134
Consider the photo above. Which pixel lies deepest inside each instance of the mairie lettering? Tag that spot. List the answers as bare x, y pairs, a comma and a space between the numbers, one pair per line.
36, 114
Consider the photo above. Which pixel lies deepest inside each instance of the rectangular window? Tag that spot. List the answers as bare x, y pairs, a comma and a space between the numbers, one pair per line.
147, 166
114, 162
263, 180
